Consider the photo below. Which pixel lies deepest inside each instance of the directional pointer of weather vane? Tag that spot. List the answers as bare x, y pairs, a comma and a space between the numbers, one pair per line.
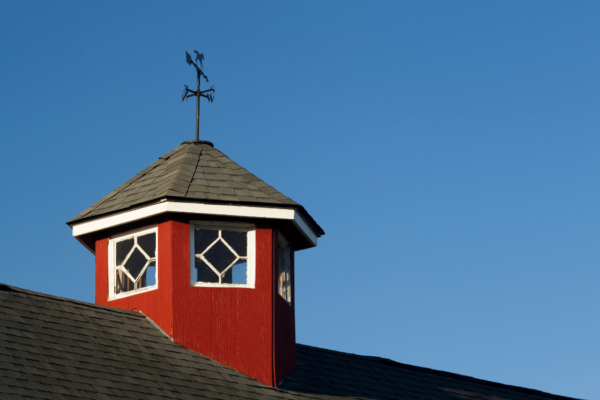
209, 94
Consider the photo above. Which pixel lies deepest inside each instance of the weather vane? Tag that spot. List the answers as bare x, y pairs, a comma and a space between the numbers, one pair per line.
198, 93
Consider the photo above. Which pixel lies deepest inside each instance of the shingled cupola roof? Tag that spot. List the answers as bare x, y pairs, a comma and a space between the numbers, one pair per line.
194, 172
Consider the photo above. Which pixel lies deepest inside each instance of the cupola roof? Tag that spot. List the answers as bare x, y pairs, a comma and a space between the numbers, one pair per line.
196, 172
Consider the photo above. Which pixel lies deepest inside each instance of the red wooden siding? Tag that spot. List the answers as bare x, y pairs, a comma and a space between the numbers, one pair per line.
230, 325
156, 304
260, 312
250, 330
179, 261
242, 337
101, 295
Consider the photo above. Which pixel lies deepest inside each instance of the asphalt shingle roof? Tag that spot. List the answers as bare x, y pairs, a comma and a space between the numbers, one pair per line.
56, 348
326, 372
194, 171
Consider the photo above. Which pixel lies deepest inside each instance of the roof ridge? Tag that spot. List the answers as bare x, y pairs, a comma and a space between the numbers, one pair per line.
193, 173
392, 363
7, 288
178, 176
165, 159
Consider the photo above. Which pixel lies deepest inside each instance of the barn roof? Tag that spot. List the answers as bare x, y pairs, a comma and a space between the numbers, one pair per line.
52, 347
194, 171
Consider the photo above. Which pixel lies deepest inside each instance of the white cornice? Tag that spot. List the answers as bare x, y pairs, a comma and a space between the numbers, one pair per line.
110, 221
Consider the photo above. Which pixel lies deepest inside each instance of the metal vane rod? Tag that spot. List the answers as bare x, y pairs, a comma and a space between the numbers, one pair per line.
198, 93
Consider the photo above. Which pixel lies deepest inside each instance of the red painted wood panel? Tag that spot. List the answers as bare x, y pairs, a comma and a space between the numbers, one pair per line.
241, 352
219, 326
250, 330
156, 304
197, 304
101, 295
192, 307
179, 242
260, 310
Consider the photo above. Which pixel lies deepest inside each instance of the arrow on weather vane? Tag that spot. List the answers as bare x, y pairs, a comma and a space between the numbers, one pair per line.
187, 92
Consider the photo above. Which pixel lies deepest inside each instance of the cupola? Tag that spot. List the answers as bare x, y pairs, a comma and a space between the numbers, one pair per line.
206, 250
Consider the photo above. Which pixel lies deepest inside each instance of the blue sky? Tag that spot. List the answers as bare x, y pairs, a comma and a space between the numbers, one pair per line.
449, 150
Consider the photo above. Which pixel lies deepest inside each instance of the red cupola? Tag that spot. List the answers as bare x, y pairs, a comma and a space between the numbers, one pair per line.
206, 250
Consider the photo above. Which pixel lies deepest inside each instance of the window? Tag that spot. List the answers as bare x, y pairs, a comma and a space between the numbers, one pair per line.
132, 263
222, 254
284, 252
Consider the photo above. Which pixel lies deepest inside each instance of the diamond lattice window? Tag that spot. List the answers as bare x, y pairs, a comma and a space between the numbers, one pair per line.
284, 266
222, 255
133, 262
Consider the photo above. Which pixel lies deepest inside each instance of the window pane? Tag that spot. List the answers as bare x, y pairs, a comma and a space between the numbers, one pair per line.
123, 283
227, 276
131, 257
136, 263
203, 238
205, 273
148, 244
281, 270
149, 277
237, 240
123, 248
239, 272
215, 252
220, 256
284, 272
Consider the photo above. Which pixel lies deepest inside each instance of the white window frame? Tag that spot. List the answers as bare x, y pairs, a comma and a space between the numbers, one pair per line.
285, 242
112, 262
251, 252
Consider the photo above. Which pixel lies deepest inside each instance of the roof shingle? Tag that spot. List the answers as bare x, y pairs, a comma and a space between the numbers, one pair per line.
192, 171
51, 347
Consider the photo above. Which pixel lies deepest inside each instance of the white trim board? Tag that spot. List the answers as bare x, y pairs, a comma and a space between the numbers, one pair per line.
197, 208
